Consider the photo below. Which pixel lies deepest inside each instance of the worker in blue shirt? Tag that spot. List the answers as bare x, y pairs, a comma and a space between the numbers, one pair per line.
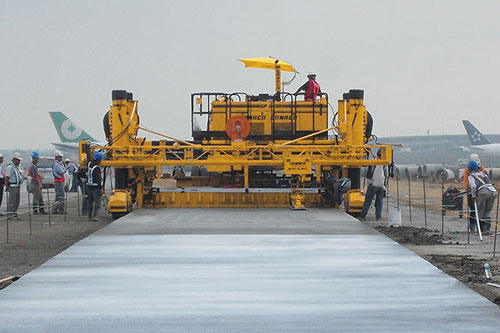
71, 168
58, 170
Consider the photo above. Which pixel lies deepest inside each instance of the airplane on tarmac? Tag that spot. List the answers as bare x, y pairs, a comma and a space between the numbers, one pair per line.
478, 141
69, 134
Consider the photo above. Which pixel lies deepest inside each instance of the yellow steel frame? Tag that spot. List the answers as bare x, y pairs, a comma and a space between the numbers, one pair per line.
296, 157
240, 154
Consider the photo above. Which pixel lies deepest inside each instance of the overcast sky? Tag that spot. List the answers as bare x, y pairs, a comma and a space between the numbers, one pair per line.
424, 65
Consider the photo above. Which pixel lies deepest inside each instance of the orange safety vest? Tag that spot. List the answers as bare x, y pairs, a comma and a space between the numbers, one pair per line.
466, 176
312, 90
57, 180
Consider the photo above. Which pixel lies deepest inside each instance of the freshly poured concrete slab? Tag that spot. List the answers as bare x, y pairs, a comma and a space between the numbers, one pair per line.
266, 270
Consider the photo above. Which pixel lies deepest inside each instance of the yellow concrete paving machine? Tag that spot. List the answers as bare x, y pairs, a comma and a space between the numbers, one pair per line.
266, 150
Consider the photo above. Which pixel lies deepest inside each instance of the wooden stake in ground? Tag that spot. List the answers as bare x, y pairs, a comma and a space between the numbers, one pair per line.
29, 208
409, 196
7, 219
65, 205
397, 188
78, 201
425, 203
50, 208
468, 223
442, 208
496, 228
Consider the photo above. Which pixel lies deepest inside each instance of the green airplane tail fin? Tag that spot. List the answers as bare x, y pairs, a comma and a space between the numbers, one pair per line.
67, 130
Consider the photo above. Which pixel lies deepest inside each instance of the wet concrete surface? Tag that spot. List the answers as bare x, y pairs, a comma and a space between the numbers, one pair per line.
241, 270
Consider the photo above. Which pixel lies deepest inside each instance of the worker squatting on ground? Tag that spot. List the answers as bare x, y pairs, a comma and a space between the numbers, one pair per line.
2, 181
94, 187
376, 187
36, 184
13, 181
72, 172
483, 192
58, 170
470, 200
311, 88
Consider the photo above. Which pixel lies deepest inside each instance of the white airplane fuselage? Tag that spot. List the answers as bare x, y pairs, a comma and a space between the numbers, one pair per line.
492, 148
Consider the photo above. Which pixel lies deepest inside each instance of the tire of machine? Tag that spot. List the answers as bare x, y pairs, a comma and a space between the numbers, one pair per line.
369, 126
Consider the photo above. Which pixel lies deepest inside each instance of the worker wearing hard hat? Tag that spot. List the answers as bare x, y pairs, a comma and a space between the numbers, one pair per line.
2, 181
72, 172
13, 181
470, 201
58, 170
481, 190
311, 88
94, 187
36, 184
377, 174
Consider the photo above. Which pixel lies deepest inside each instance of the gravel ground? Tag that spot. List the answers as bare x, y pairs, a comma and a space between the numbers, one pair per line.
443, 241
25, 251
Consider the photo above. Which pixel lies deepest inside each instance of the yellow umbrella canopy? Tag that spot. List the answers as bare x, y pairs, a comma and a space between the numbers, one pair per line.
267, 63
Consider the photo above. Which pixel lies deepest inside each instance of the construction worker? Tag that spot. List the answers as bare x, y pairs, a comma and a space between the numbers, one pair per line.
311, 88
58, 170
483, 192
2, 181
72, 172
376, 187
470, 201
36, 184
13, 181
94, 187
82, 183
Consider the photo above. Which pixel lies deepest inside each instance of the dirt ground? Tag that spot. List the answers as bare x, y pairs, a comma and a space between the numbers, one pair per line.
444, 241
25, 251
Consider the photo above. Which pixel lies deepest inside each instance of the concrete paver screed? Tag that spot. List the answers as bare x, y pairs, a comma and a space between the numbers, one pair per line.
262, 270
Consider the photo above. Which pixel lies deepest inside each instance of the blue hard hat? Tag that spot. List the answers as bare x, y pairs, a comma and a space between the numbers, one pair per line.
98, 156
473, 165
35, 154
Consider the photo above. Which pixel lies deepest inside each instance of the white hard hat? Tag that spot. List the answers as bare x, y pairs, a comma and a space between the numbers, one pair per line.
474, 157
67, 160
17, 156
1, 155
58, 153
313, 73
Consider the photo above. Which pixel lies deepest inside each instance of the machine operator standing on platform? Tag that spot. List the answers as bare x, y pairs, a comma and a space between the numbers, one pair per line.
311, 87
